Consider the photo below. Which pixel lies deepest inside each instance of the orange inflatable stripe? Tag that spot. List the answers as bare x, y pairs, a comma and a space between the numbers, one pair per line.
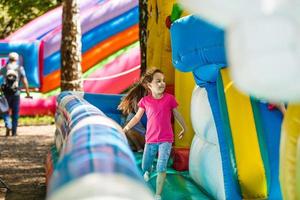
104, 49
95, 55
51, 81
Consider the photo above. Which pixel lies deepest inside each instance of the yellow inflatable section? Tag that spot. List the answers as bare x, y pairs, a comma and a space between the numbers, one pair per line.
290, 154
158, 41
249, 163
184, 85
159, 55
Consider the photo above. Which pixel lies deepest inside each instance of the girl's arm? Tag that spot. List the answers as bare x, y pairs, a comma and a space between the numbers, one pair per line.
180, 121
137, 117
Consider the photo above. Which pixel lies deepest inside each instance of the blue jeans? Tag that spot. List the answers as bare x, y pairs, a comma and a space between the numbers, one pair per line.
150, 152
14, 106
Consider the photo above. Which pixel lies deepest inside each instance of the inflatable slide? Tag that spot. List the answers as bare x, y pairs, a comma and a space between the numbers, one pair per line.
256, 57
235, 150
110, 51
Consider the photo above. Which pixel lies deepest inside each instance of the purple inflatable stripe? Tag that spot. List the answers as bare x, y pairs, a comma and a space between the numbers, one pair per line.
45, 23
90, 18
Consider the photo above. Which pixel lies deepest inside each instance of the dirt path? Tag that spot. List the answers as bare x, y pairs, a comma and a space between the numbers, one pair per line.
22, 162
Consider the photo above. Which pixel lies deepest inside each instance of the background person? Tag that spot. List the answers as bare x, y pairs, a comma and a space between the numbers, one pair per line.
12, 74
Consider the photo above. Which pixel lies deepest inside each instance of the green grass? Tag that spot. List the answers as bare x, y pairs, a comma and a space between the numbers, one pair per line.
36, 120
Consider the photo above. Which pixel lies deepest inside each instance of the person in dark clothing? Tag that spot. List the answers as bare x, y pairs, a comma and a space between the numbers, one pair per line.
12, 74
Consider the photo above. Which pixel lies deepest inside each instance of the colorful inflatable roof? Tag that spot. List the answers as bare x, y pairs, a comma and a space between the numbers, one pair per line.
110, 50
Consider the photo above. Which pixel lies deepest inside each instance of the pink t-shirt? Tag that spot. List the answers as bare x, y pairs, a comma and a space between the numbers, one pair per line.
159, 113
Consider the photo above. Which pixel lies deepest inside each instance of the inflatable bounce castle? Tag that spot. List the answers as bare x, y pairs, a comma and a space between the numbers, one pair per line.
237, 146
224, 66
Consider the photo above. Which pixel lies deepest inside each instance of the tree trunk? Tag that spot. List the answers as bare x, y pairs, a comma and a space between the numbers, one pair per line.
143, 33
71, 73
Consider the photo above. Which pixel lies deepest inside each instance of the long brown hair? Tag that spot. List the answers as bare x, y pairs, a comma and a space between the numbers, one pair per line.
129, 103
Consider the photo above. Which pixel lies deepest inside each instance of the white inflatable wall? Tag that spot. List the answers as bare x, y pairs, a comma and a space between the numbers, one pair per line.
205, 151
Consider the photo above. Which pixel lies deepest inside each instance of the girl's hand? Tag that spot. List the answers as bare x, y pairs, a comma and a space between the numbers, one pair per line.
125, 129
181, 134
181, 122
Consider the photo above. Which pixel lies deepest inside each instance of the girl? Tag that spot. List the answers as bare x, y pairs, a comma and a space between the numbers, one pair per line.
129, 107
159, 107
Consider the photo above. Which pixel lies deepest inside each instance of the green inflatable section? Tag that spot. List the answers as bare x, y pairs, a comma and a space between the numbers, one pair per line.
178, 185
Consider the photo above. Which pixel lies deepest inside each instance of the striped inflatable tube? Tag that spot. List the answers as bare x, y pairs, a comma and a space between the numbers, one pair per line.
68, 113
51, 160
95, 161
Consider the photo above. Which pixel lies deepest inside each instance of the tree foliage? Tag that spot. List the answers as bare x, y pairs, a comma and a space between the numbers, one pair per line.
16, 13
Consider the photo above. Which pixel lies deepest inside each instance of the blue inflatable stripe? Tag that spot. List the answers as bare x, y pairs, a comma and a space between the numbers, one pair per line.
107, 103
196, 43
95, 36
29, 52
271, 121
206, 74
110, 28
232, 190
